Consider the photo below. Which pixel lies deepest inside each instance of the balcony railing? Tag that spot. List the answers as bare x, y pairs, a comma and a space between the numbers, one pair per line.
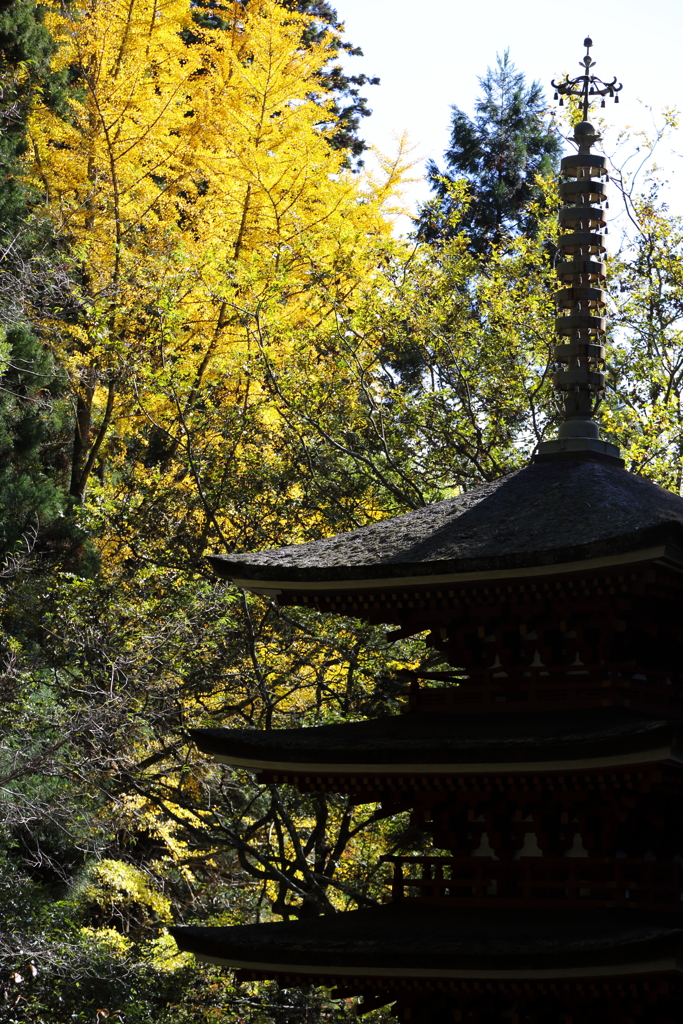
538, 882
540, 691
541, 688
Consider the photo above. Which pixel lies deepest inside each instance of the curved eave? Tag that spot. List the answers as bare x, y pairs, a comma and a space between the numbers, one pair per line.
427, 743
663, 965
640, 759
413, 940
272, 581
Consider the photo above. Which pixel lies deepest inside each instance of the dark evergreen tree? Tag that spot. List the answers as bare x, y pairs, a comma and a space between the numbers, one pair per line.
26, 47
32, 452
499, 151
32, 443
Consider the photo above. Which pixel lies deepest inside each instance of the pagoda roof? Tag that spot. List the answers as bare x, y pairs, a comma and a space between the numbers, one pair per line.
411, 939
431, 742
550, 516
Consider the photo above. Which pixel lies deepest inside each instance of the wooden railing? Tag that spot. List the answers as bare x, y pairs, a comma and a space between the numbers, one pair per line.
540, 691
538, 881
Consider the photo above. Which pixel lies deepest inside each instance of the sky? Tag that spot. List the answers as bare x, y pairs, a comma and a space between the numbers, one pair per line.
429, 55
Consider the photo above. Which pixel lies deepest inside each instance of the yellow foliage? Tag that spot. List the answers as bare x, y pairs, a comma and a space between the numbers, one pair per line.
116, 943
161, 953
114, 881
194, 181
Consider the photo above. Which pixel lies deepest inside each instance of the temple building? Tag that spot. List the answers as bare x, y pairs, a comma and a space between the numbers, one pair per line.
548, 761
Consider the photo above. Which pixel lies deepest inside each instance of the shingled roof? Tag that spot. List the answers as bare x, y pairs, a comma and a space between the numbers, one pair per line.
550, 513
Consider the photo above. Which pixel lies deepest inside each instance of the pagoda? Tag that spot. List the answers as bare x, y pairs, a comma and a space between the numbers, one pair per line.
548, 761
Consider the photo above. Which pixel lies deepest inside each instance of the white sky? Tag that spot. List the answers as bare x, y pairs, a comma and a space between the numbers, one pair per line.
429, 55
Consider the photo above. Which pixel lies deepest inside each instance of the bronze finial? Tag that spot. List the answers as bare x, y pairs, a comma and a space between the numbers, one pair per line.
581, 301
586, 85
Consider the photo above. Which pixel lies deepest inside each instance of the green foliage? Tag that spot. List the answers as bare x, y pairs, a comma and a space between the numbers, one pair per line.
643, 409
25, 50
32, 456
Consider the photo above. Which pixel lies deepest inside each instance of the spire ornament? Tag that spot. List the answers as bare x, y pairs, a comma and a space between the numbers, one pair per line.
586, 85
581, 270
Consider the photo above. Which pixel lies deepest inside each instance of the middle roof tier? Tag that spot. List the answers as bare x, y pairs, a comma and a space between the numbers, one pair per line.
433, 744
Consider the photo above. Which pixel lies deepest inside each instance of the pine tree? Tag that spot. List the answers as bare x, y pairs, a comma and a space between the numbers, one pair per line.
499, 152
32, 463
25, 50
32, 495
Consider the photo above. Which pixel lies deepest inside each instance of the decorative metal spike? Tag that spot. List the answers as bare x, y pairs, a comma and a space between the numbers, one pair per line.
586, 85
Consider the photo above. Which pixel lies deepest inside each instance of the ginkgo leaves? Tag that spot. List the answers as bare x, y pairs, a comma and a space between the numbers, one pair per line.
193, 179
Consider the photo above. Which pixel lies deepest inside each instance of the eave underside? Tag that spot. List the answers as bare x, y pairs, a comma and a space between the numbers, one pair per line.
259, 579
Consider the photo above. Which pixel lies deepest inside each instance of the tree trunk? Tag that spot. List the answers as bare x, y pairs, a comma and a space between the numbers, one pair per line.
85, 453
81, 440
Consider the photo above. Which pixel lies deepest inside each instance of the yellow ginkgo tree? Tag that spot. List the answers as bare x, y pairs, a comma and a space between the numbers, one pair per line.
111, 174
193, 177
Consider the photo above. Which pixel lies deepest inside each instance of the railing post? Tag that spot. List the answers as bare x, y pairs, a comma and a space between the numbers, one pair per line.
438, 888
397, 881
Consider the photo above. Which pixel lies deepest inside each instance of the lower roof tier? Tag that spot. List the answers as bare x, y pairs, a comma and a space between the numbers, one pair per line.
422, 742
413, 940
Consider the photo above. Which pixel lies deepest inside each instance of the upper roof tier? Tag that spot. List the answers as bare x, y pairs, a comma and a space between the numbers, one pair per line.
566, 515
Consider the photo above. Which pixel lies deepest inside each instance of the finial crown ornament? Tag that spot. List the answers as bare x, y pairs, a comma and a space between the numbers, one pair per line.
580, 268
586, 85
